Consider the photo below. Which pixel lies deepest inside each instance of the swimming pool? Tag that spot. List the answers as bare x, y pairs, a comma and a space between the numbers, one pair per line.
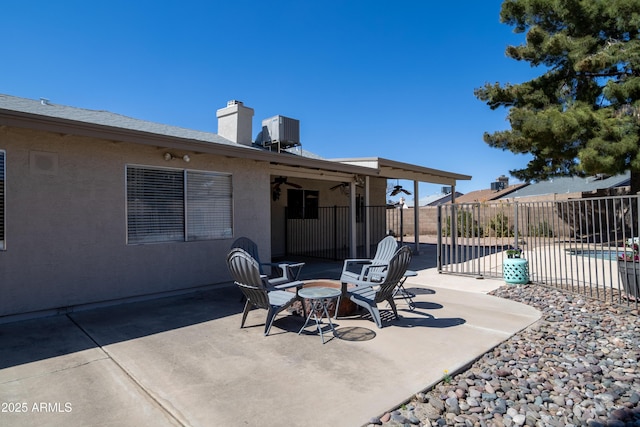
596, 253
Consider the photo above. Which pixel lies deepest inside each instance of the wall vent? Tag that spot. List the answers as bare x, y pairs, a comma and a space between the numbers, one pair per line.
43, 163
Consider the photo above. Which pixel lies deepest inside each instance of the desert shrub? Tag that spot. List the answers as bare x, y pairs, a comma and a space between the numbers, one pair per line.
466, 226
499, 225
543, 229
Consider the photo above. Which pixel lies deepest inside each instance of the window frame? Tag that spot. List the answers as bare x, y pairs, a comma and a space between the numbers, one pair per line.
301, 206
170, 205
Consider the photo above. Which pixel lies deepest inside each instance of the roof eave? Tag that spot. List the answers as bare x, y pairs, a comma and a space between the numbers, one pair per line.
399, 170
74, 127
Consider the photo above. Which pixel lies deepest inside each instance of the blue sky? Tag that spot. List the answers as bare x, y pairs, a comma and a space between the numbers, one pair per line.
365, 78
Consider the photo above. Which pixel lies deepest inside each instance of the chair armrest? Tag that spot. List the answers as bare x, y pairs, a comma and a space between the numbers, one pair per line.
297, 284
354, 266
290, 264
357, 261
291, 270
288, 268
368, 275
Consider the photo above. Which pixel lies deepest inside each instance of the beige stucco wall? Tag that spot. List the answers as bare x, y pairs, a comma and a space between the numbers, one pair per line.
66, 227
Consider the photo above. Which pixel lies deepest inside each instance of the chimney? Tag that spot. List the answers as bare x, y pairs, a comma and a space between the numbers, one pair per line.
234, 122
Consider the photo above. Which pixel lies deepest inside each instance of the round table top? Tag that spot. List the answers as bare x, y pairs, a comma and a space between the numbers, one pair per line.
319, 292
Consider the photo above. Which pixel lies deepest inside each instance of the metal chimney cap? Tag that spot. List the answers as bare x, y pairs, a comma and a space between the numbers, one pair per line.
234, 102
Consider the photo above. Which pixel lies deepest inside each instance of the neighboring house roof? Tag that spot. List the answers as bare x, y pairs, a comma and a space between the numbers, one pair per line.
488, 194
46, 116
562, 185
435, 199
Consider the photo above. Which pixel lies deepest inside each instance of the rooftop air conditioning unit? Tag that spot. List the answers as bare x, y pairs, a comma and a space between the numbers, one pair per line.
280, 131
497, 186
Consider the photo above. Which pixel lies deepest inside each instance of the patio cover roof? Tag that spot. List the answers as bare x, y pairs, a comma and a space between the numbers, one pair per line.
398, 170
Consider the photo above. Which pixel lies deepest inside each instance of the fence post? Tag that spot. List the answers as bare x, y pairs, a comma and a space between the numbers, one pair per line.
454, 232
515, 226
477, 246
637, 215
335, 232
401, 226
439, 239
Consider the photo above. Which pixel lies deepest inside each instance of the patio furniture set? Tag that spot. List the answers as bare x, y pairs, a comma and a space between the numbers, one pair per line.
365, 282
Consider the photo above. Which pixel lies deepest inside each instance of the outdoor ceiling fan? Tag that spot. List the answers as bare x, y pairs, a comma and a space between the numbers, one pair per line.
277, 182
397, 189
341, 186
344, 187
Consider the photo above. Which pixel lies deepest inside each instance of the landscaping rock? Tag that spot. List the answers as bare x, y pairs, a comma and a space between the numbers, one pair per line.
576, 366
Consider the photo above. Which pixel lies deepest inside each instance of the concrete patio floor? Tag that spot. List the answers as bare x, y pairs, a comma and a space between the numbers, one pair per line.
184, 361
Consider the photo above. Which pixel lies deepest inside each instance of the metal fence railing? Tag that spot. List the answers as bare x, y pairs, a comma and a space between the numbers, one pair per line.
325, 231
571, 244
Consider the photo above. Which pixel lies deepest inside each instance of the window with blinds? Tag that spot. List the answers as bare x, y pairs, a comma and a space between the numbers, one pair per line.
2, 180
169, 205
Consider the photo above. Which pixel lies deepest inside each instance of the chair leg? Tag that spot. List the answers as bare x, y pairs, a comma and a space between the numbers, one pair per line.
375, 313
304, 307
393, 307
373, 310
247, 308
271, 315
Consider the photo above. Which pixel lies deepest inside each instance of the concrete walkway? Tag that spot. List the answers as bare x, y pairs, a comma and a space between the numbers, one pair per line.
184, 360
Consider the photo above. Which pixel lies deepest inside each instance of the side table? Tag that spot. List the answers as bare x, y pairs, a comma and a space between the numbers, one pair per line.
319, 297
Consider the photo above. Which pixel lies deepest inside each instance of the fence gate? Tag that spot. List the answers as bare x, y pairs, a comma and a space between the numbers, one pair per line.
573, 244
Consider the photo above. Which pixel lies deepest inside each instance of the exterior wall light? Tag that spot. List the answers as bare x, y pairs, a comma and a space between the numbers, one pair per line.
168, 156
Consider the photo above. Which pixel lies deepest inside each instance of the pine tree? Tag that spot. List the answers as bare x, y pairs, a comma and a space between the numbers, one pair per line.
581, 116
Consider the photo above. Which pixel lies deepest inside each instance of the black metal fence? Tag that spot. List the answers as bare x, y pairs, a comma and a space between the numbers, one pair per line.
571, 244
326, 234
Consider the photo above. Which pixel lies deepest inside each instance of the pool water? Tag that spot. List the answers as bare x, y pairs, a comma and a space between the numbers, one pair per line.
596, 253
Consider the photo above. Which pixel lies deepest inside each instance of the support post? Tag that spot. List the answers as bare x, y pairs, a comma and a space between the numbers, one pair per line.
352, 221
416, 216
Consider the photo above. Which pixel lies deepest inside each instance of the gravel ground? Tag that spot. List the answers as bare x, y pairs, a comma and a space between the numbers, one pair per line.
576, 366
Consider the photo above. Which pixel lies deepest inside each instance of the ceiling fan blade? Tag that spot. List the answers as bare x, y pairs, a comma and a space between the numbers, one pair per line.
342, 184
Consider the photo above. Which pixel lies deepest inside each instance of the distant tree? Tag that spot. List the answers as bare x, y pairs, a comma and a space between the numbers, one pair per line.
581, 116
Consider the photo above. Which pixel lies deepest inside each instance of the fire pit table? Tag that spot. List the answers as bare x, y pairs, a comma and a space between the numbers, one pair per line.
346, 307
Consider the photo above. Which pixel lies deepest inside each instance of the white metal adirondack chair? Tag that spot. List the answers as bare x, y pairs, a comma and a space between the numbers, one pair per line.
358, 271
368, 294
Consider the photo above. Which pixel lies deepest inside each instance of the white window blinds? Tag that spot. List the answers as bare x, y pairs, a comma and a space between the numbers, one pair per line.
209, 207
166, 205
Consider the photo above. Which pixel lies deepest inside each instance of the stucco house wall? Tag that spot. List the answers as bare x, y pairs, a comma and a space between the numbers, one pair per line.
64, 242
66, 237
